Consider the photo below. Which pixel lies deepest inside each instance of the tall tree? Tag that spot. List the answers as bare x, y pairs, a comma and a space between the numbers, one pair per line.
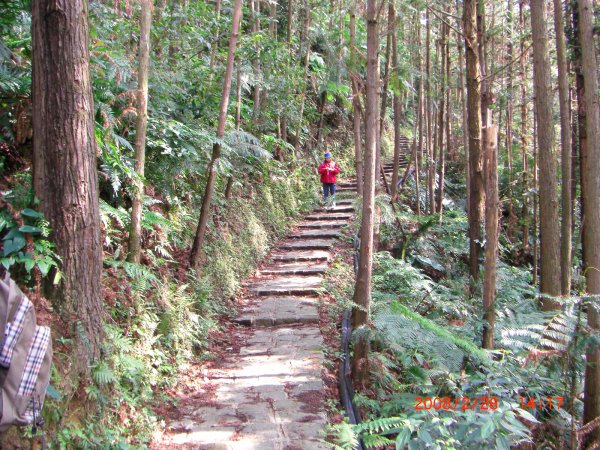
474, 130
397, 107
591, 222
362, 289
216, 152
356, 106
491, 234
442, 111
64, 160
549, 225
565, 141
135, 234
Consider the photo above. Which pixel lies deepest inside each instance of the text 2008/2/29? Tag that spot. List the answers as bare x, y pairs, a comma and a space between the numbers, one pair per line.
452, 404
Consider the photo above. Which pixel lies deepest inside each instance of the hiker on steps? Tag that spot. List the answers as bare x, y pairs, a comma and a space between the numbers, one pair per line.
328, 170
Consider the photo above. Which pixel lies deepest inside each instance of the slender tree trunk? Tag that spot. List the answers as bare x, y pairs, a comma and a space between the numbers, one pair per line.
565, 141
591, 221
491, 236
362, 290
254, 18
419, 119
305, 81
386, 77
290, 18
64, 160
212, 173
465, 120
135, 247
442, 111
549, 225
397, 119
356, 107
512, 218
536, 197
524, 141
427, 111
474, 130
273, 19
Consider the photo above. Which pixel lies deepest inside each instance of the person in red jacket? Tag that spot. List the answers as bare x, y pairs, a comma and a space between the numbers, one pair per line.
328, 170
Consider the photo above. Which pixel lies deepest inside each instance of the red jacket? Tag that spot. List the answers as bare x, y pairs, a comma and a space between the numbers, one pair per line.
328, 171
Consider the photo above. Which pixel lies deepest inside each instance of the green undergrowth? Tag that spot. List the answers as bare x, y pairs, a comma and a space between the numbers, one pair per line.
425, 343
161, 315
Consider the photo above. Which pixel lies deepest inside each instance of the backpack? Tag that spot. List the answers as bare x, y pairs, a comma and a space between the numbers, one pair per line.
25, 359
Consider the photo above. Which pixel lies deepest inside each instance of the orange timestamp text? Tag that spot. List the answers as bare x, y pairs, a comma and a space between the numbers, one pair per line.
458, 403
541, 402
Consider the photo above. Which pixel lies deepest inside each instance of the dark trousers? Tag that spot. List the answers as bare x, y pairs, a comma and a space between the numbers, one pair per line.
328, 189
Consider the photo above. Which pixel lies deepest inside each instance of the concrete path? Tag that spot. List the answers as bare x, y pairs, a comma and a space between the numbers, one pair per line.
270, 395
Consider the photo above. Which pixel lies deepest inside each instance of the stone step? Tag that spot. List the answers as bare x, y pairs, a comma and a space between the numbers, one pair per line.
308, 285
346, 189
274, 311
296, 268
307, 244
318, 224
315, 234
330, 216
300, 255
336, 209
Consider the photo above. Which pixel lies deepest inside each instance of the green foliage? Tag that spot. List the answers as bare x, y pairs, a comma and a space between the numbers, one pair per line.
26, 249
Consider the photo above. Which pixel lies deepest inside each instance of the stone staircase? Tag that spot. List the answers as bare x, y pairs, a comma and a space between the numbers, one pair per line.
270, 395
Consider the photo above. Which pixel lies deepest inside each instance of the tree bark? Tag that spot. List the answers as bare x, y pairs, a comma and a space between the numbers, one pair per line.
512, 218
419, 119
64, 160
474, 130
549, 225
135, 235
444, 80
362, 290
524, 141
591, 221
565, 141
254, 13
356, 106
212, 173
397, 120
491, 235
305, 81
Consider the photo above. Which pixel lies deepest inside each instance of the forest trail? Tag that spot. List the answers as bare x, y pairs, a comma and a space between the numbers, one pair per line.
268, 392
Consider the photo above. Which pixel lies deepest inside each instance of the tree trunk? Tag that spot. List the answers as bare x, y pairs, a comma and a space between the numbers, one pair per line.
386, 78
491, 236
305, 81
474, 130
565, 141
524, 141
212, 174
549, 225
135, 247
254, 18
362, 290
290, 18
397, 119
444, 80
512, 218
429, 141
535, 195
356, 106
463, 101
420, 120
64, 161
591, 221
